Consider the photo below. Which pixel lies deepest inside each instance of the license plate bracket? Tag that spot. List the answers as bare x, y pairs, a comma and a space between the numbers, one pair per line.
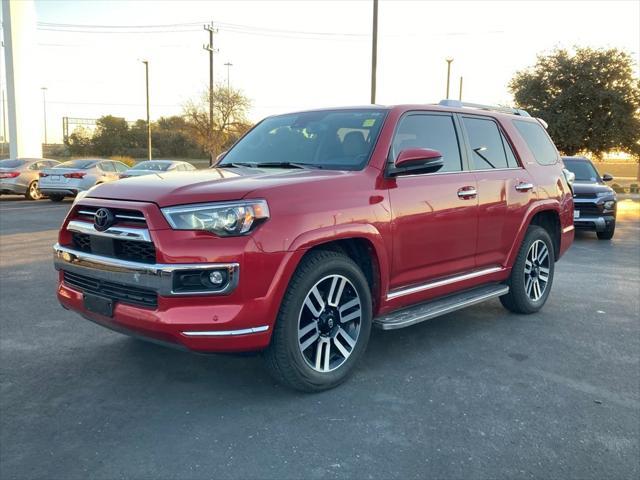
98, 304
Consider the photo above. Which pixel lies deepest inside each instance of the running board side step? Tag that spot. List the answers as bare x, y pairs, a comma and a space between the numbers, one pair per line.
434, 308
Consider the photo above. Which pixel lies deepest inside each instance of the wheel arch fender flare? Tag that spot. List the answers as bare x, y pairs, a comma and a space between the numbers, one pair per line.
353, 231
534, 209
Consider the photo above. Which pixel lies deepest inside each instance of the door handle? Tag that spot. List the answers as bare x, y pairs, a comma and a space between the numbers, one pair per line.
467, 193
524, 187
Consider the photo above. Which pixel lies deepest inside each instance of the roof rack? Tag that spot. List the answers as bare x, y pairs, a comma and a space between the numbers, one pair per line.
493, 108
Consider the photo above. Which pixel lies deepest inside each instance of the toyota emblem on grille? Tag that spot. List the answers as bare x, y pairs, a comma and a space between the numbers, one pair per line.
103, 219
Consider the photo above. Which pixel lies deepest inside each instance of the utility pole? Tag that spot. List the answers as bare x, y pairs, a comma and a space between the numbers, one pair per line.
210, 28
449, 60
460, 94
146, 74
44, 108
228, 64
374, 51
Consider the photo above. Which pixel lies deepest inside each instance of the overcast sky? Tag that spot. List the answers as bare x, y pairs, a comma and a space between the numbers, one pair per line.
292, 55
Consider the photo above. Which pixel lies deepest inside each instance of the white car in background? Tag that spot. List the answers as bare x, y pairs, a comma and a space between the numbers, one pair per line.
69, 178
157, 166
19, 176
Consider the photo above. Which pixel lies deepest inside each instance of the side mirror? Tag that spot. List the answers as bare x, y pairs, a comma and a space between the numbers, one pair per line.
606, 177
414, 160
569, 175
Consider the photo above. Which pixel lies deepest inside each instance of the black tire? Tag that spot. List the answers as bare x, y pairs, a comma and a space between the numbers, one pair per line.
608, 233
519, 299
284, 357
32, 192
56, 198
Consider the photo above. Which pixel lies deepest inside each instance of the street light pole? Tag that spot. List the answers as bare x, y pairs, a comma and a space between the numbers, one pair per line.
44, 108
449, 60
374, 51
146, 72
228, 64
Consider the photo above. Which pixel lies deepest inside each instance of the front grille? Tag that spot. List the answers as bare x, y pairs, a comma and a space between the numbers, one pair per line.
122, 216
142, 297
135, 251
585, 195
588, 209
130, 250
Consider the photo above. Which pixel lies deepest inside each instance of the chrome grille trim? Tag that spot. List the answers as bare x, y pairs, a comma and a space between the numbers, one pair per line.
121, 233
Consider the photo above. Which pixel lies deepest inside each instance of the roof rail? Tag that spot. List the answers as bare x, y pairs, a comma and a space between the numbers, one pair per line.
493, 108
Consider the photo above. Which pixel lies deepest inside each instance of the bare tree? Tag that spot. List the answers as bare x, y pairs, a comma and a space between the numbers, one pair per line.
229, 119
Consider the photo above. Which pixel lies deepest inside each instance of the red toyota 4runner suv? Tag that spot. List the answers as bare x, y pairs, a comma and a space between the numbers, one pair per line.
318, 225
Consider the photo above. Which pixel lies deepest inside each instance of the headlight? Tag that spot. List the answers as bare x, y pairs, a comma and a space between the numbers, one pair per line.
226, 219
609, 205
604, 194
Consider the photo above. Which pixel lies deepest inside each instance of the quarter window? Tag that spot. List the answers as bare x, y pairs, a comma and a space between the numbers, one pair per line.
538, 142
436, 132
488, 146
107, 167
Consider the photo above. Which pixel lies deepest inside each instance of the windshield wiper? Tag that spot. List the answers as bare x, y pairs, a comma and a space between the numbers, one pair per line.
271, 165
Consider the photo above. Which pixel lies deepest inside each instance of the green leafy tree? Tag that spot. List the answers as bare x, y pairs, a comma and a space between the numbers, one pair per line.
112, 136
589, 98
79, 142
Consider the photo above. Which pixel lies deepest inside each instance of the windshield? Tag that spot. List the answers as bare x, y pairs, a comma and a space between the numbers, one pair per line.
332, 139
80, 164
583, 169
11, 163
155, 166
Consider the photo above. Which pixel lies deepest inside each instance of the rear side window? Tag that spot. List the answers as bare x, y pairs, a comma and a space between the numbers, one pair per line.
107, 167
538, 142
489, 148
436, 132
80, 164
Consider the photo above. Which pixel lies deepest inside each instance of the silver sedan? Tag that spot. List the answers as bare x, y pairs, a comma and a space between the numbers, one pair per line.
157, 166
20, 176
69, 178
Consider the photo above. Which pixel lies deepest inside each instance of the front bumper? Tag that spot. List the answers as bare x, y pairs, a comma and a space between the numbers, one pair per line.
214, 322
596, 223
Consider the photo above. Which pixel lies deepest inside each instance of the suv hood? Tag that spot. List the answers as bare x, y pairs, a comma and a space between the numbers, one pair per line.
210, 185
591, 187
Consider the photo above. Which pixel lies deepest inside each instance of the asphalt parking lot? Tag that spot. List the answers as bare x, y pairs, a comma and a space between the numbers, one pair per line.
480, 393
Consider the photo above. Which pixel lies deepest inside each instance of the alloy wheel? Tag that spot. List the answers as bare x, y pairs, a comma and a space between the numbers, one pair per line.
329, 323
34, 191
536, 270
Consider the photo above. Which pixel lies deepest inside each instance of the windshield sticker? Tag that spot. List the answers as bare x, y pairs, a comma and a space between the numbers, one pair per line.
369, 122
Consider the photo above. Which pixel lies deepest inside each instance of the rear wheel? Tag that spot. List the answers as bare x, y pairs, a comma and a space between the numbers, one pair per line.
56, 198
532, 273
324, 323
33, 192
608, 233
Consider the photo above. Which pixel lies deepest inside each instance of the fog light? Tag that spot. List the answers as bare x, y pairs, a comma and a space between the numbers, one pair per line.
216, 277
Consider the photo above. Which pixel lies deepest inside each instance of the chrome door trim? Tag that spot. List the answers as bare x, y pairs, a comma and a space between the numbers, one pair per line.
121, 233
441, 283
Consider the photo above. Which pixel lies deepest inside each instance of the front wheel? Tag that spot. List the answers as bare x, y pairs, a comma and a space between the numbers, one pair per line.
324, 323
608, 233
33, 192
532, 273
